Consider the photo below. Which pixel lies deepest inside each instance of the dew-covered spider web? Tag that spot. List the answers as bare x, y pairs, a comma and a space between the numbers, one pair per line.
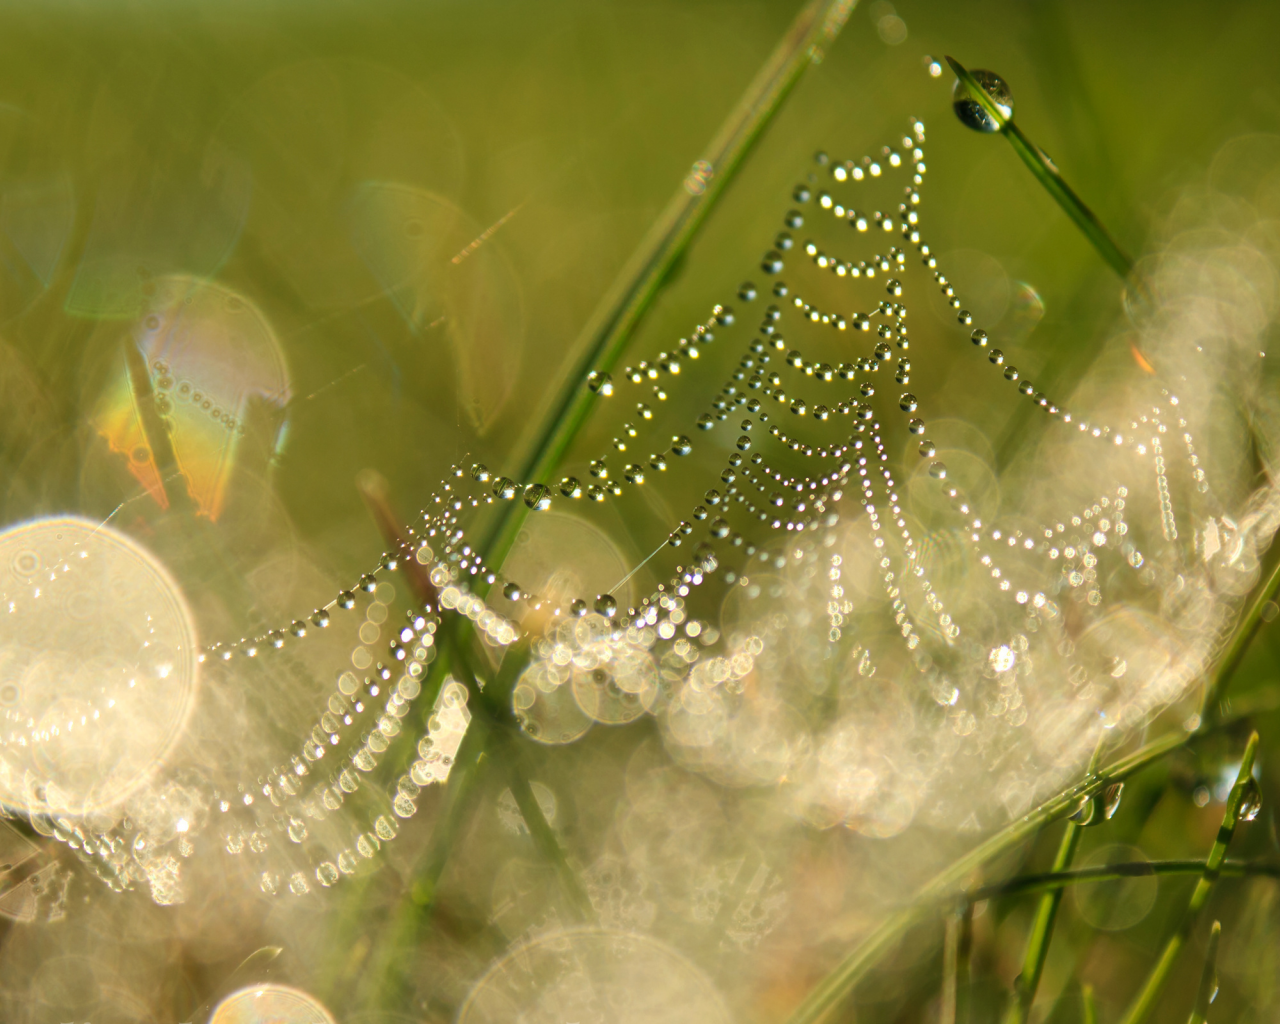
835, 606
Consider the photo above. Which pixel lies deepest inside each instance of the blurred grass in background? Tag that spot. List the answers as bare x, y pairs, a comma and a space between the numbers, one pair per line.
556, 132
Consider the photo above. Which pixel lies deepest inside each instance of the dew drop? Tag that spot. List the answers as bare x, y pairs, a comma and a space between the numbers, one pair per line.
537, 498
747, 291
1111, 800
320, 618
480, 473
511, 592
601, 383
368, 584
705, 422
996, 356
705, 558
970, 112
916, 426
606, 606
299, 628
1010, 373
505, 488
965, 317
893, 286
570, 487
681, 445
1250, 800
578, 608
979, 337
938, 470
907, 403
744, 443
346, 599
928, 449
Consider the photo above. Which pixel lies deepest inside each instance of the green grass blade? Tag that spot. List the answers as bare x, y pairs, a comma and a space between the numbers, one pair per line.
1241, 637
1208, 977
1028, 885
382, 981
1089, 1013
543, 836
1046, 915
1047, 174
1146, 999
956, 949
606, 334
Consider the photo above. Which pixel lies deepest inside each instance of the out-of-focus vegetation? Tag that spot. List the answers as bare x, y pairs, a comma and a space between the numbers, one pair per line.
261, 146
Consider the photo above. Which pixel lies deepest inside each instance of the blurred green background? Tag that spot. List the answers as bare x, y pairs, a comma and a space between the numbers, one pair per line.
234, 140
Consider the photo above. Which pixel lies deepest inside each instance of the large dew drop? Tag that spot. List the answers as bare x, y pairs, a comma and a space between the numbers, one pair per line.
970, 112
97, 667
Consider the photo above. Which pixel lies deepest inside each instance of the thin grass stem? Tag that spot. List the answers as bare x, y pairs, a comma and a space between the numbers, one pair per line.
1208, 977
1246, 629
956, 949
950, 964
1045, 172
1146, 999
1089, 1009
601, 343
1046, 915
1050, 881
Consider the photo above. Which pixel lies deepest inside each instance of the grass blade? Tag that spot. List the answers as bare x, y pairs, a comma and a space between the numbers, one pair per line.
1208, 977
1046, 915
1089, 1013
956, 949
1241, 637
1146, 998
1047, 174
1026, 885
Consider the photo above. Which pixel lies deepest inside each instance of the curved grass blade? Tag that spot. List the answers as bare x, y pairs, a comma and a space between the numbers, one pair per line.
1027, 885
1047, 174
606, 334
1145, 1002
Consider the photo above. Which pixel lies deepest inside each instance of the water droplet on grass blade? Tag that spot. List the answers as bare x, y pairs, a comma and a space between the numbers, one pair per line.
970, 112
1250, 800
